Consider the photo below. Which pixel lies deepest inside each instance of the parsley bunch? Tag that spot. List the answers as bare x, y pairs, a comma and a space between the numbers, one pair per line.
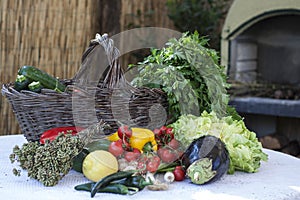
188, 72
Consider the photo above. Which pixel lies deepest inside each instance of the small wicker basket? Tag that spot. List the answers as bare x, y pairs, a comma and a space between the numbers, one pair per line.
110, 97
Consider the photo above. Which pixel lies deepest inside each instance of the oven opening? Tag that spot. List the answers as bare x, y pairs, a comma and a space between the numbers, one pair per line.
261, 51
268, 52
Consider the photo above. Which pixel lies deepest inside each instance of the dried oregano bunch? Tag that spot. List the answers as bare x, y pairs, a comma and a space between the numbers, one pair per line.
50, 162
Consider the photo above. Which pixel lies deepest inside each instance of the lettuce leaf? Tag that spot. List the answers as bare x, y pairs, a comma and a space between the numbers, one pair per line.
242, 144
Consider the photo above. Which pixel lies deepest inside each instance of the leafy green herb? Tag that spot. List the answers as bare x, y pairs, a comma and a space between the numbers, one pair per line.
188, 73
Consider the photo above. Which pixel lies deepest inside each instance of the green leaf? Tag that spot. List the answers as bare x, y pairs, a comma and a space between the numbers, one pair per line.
186, 70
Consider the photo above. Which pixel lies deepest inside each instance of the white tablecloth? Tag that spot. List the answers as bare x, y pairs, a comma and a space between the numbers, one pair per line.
277, 179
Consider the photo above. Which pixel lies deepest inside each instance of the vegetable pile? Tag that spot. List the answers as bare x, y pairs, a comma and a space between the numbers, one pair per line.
244, 148
34, 79
143, 149
204, 140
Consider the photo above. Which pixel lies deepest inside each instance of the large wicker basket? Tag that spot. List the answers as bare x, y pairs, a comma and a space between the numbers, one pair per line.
110, 97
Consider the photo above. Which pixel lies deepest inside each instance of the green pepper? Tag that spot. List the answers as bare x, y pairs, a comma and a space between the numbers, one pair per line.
109, 179
85, 187
135, 181
115, 188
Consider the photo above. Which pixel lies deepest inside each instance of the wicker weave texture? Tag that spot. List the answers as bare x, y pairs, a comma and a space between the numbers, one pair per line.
37, 113
84, 102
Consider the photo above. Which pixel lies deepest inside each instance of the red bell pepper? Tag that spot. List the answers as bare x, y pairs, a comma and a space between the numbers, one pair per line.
51, 134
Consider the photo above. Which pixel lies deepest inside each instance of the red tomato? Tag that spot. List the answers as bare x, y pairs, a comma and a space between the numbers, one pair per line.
136, 150
156, 159
141, 167
156, 131
132, 155
174, 144
169, 131
163, 129
153, 164
116, 148
124, 131
125, 144
167, 155
179, 173
142, 161
160, 152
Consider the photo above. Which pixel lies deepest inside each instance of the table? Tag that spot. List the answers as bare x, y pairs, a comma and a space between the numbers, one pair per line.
277, 179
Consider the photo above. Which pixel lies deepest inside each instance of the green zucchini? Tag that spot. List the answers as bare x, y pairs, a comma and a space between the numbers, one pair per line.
78, 160
45, 79
21, 83
35, 86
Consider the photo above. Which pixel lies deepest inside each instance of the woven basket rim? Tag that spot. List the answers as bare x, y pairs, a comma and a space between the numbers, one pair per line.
34, 122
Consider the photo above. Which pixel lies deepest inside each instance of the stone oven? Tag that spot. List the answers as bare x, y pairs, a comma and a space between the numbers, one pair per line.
260, 44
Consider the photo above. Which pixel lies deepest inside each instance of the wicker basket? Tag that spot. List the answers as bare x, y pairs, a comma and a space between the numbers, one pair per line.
111, 99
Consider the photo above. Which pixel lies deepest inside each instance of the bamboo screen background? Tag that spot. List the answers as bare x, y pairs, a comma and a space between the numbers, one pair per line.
52, 35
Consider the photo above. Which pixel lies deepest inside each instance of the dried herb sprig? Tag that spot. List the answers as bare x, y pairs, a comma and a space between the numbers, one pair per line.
50, 162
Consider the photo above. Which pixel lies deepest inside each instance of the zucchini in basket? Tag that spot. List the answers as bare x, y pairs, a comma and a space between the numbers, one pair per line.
21, 82
46, 80
35, 86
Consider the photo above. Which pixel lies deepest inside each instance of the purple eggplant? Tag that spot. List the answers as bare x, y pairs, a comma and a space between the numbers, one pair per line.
206, 159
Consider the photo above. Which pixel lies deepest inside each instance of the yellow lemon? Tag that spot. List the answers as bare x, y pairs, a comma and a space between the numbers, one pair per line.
99, 164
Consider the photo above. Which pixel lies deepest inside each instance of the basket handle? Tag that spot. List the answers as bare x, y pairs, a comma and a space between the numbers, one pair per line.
113, 74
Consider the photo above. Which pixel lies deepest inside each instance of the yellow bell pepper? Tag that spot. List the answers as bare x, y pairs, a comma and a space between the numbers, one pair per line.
140, 137
113, 137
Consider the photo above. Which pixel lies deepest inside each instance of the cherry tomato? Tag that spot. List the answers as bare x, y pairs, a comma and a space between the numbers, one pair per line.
142, 161
156, 159
124, 132
141, 167
160, 151
179, 173
116, 148
132, 155
167, 155
156, 131
169, 131
125, 145
163, 129
174, 144
152, 164
136, 150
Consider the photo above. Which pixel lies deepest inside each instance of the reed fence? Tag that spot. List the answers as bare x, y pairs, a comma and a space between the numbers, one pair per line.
52, 35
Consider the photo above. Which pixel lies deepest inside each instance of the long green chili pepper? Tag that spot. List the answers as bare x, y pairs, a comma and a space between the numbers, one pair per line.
115, 188
85, 187
110, 178
135, 181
